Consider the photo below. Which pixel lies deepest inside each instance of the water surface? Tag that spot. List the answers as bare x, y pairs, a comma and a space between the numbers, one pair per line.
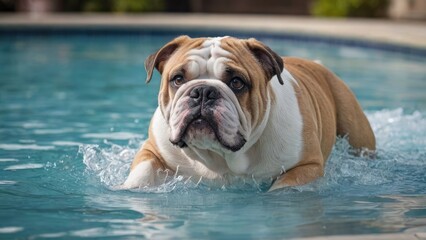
74, 110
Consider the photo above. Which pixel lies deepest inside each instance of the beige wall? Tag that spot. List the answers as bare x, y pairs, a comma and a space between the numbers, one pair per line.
407, 9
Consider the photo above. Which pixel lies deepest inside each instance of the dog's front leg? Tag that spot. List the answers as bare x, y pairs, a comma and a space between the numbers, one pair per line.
147, 168
299, 175
307, 170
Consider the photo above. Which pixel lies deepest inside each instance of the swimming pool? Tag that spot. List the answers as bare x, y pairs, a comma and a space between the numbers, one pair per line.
74, 109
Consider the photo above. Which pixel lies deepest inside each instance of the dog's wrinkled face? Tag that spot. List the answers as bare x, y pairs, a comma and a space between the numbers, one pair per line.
214, 91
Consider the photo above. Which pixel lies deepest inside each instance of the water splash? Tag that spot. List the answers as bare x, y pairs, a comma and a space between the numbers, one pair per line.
110, 164
401, 156
400, 162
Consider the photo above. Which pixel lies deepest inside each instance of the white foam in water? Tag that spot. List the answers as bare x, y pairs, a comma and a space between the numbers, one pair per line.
395, 130
400, 142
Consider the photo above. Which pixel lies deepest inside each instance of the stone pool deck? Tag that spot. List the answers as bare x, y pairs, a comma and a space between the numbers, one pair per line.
405, 33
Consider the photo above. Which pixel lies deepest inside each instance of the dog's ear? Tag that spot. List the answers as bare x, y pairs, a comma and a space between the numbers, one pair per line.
159, 58
270, 61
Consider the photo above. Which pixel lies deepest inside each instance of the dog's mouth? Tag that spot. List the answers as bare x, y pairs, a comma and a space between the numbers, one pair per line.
200, 124
199, 128
196, 125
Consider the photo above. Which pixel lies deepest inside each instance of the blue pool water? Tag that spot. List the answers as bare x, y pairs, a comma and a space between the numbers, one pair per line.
74, 109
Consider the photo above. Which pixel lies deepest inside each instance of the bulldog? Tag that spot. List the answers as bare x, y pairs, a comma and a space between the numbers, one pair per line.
233, 107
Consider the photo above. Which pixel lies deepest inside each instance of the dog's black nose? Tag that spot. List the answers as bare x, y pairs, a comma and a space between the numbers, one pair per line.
204, 93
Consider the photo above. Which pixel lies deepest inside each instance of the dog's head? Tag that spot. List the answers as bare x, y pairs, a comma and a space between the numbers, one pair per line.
214, 91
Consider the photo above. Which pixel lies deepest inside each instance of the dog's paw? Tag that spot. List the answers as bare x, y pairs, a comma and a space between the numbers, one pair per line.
143, 175
278, 185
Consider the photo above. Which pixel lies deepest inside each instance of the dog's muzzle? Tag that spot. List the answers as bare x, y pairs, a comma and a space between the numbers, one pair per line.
206, 118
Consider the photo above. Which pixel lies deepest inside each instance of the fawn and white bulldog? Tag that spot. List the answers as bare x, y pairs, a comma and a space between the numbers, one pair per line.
233, 107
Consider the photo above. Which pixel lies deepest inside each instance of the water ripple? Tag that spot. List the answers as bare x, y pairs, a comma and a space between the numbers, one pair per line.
113, 135
66, 143
7, 182
11, 229
24, 166
8, 160
25, 147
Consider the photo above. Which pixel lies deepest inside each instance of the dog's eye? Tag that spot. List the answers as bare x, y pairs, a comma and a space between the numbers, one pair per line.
236, 83
178, 80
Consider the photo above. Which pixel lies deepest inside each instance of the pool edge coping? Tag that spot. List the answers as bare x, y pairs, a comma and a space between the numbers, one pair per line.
402, 34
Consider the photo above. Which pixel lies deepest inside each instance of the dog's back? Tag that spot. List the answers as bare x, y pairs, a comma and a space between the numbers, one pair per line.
349, 119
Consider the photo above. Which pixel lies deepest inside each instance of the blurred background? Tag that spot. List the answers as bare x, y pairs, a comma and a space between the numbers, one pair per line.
394, 9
